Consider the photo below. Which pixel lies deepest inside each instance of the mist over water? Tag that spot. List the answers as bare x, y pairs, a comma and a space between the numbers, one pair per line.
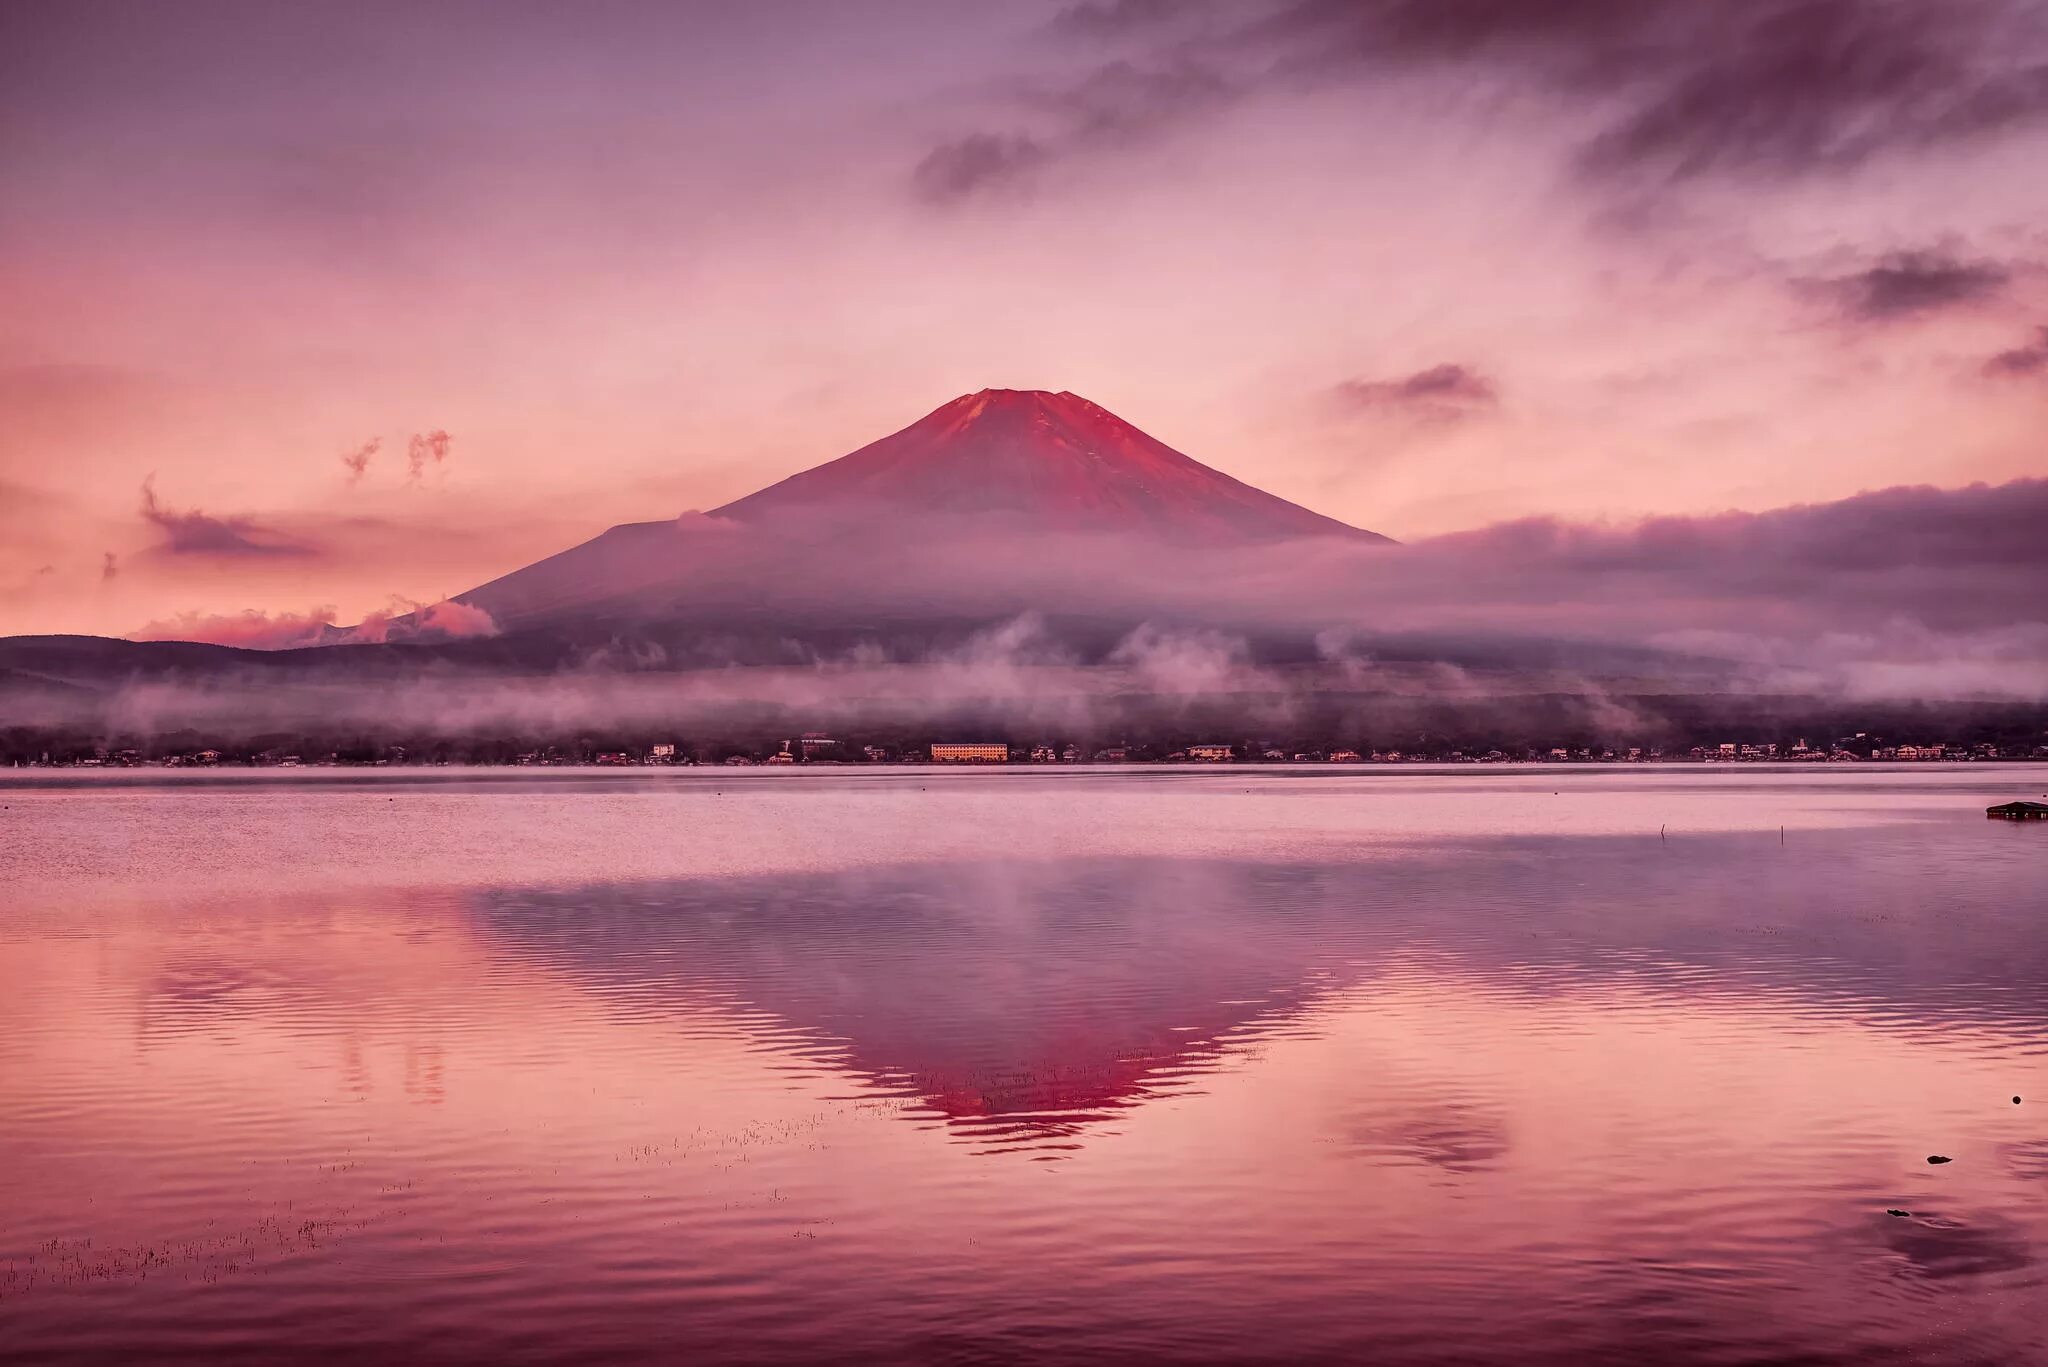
1904, 597
1410, 1066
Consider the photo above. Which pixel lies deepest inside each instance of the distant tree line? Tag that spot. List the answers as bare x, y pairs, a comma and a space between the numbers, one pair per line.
1670, 730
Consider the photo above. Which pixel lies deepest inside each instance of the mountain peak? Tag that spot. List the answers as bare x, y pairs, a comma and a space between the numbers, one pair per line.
1047, 458
995, 404
1017, 395
997, 466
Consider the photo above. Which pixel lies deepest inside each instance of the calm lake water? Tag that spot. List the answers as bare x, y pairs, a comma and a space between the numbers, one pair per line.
1184, 1066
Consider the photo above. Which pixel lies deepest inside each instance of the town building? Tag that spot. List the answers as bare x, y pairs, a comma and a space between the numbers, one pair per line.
970, 752
1210, 754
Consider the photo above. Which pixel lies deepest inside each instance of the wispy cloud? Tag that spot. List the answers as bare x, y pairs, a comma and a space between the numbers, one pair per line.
1667, 89
968, 166
252, 629
1120, 104
425, 449
1450, 390
249, 629
1913, 593
194, 532
2020, 361
357, 462
1908, 284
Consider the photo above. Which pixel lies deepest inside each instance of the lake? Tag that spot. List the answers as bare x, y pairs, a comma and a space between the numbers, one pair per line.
1401, 1065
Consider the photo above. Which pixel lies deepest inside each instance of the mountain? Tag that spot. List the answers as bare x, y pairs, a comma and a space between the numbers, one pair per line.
1055, 458
1006, 469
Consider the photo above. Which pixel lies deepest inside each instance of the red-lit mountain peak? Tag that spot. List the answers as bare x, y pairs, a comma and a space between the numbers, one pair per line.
1025, 460
1054, 459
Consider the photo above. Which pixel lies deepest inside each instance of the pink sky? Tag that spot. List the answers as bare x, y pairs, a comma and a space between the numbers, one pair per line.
1421, 274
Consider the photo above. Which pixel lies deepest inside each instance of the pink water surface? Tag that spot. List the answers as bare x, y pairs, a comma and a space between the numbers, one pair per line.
1393, 1066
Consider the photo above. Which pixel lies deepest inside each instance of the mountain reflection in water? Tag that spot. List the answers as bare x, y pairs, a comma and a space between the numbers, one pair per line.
1022, 998
1557, 1095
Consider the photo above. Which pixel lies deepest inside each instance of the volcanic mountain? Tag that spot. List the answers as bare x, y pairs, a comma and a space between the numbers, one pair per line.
1015, 465
1055, 458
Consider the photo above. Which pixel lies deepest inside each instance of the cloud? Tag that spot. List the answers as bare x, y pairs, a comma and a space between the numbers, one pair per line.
1904, 593
1898, 528
252, 629
1952, 560
357, 462
979, 162
1118, 104
249, 629
1442, 391
2020, 361
199, 533
1666, 89
1680, 89
456, 620
1907, 284
1175, 661
1912, 565
424, 449
1801, 86
406, 620
1124, 100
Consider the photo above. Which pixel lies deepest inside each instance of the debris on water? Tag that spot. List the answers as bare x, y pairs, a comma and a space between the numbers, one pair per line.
2015, 1101
1902, 1214
1939, 1158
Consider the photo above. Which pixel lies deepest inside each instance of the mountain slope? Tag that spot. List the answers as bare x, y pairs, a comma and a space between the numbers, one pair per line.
1052, 457
1002, 470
